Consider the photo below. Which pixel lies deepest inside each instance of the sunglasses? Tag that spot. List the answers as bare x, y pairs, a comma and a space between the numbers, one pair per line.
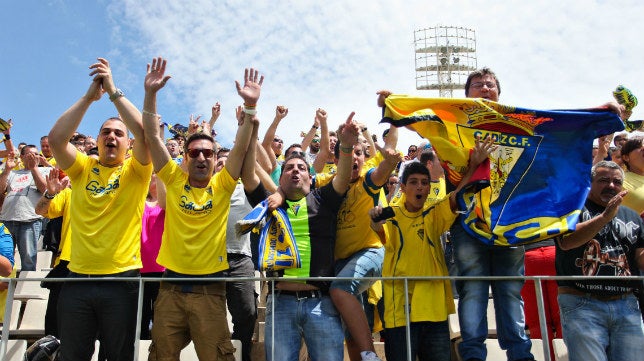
278, 140
315, 141
207, 153
296, 153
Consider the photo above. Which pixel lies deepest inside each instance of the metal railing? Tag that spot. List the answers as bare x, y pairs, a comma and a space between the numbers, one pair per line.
271, 280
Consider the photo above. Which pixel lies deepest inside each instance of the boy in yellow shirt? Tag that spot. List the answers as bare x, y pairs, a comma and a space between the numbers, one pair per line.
412, 249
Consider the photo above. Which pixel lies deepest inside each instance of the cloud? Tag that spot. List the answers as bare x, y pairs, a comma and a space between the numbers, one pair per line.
337, 54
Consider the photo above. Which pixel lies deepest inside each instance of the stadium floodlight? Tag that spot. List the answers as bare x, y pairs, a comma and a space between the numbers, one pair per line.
434, 48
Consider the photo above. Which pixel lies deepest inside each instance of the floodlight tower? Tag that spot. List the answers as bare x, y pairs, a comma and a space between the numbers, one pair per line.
445, 55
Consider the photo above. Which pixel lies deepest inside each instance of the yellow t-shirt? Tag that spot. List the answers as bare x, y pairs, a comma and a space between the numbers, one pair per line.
194, 237
106, 226
635, 197
354, 232
59, 207
413, 248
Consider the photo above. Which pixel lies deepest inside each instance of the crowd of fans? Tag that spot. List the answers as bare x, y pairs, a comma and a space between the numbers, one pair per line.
165, 202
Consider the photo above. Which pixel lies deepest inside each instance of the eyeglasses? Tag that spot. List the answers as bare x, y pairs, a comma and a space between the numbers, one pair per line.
207, 153
278, 140
480, 84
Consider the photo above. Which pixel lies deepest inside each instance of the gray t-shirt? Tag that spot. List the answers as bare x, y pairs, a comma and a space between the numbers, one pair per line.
239, 208
22, 196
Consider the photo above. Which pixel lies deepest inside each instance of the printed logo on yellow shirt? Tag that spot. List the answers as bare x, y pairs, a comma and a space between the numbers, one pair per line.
95, 188
192, 208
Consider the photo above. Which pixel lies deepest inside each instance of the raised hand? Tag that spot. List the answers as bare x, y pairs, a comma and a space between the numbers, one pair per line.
102, 74
382, 95
54, 184
320, 116
482, 150
349, 133
251, 88
215, 113
155, 77
280, 112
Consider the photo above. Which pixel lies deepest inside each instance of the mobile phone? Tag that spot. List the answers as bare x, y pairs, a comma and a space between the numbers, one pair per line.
386, 213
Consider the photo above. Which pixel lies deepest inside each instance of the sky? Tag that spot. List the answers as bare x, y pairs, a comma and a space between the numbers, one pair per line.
328, 54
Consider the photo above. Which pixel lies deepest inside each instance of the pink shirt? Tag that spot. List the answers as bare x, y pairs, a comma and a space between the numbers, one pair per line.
151, 233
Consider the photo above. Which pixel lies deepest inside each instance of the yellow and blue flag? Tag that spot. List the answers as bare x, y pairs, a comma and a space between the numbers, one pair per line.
537, 179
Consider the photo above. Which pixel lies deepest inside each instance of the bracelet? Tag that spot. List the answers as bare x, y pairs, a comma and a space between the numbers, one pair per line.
346, 150
7, 137
117, 94
48, 196
150, 113
253, 106
249, 111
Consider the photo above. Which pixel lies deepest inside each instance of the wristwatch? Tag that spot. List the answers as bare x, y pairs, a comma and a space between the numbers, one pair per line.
117, 94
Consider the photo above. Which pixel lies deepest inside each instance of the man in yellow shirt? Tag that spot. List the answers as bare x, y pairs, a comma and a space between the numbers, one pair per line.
109, 194
194, 240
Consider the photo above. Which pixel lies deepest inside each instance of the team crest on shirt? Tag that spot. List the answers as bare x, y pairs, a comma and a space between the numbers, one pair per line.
421, 233
95, 170
187, 188
295, 208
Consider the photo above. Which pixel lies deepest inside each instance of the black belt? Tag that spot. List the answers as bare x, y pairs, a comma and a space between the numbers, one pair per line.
300, 295
130, 273
565, 290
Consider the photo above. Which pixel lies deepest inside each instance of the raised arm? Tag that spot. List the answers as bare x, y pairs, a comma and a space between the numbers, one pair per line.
214, 115
325, 153
7, 141
66, 125
10, 164
54, 186
380, 175
128, 112
585, 231
481, 151
249, 178
249, 92
280, 113
155, 79
308, 138
348, 138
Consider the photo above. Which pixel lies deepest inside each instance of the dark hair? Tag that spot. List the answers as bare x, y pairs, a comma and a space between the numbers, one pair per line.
195, 137
479, 74
294, 145
24, 149
413, 168
631, 145
222, 150
295, 156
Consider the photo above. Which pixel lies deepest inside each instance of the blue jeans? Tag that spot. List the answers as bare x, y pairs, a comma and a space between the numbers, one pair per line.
315, 319
25, 236
364, 263
474, 258
429, 341
596, 330
105, 309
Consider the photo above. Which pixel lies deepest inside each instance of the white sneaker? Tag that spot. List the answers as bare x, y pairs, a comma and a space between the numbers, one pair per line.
369, 356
